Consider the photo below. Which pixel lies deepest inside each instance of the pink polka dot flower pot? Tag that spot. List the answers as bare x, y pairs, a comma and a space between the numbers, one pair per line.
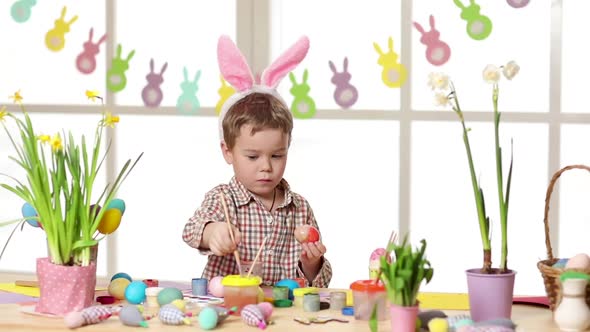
64, 288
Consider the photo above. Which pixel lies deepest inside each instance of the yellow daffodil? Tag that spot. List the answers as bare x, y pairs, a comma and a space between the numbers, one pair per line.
92, 95
17, 98
3, 113
55, 143
110, 120
44, 138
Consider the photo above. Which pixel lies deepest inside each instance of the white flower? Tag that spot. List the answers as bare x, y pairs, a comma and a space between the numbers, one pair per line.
510, 70
491, 74
441, 99
438, 81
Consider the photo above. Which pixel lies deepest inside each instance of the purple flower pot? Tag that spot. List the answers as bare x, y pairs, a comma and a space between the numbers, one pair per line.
490, 295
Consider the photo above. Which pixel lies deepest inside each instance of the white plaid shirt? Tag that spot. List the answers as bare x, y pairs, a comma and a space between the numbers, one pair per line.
280, 257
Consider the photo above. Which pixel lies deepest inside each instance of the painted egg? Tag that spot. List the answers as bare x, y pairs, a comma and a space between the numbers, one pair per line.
117, 203
117, 287
579, 261
307, 233
169, 294
266, 309
29, 211
208, 318
135, 292
215, 286
121, 275
110, 221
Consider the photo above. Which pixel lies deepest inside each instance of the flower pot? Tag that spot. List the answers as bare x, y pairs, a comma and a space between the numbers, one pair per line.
403, 319
490, 295
64, 289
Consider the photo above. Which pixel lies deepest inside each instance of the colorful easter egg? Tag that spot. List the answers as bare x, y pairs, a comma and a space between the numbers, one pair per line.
208, 318
135, 292
117, 203
29, 211
253, 316
110, 221
579, 261
121, 275
117, 287
215, 286
130, 315
169, 294
171, 315
307, 233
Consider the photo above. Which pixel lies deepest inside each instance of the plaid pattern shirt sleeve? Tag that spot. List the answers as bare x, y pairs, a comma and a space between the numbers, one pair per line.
280, 255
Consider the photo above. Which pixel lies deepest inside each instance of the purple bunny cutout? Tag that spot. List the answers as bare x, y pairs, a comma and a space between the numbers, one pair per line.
437, 51
345, 94
152, 93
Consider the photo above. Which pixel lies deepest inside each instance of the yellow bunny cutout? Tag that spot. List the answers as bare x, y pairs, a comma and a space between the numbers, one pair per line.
55, 38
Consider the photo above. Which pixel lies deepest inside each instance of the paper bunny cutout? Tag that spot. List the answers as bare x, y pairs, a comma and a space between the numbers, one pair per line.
225, 91
152, 93
55, 38
237, 73
116, 78
303, 106
345, 94
86, 61
478, 26
437, 51
188, 102
394, 73
21, 10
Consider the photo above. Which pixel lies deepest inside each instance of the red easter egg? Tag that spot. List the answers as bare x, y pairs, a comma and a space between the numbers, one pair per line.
307, 233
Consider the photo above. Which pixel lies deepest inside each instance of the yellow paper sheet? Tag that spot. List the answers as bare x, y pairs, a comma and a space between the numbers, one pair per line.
27, 290
12, 288
444, 301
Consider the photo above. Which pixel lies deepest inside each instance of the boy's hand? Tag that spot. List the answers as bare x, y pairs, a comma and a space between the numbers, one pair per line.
312, 254
217, 238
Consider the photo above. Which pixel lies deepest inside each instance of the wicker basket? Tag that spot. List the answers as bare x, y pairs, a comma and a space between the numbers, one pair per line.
551, 274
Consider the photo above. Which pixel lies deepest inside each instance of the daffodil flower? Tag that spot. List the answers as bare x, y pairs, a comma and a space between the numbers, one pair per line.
110, 120
510, 70
3, 113
17, 98
92, 95
438, 81
44, 138
55, 143
491, 74
441, 99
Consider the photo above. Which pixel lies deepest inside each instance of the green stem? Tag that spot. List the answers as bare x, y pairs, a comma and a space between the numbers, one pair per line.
502, 201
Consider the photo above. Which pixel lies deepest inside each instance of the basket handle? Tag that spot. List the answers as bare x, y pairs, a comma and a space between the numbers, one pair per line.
548, 199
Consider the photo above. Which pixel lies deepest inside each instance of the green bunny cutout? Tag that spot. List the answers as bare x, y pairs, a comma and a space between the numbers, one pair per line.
303, 106
116, 79
478, 26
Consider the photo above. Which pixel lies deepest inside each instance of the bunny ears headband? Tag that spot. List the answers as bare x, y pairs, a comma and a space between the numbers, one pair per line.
236, 72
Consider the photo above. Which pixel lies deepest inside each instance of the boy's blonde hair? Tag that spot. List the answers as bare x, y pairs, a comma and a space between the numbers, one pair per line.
261, 111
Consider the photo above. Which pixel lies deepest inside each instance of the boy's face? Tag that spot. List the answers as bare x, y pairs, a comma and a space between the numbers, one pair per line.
258, 160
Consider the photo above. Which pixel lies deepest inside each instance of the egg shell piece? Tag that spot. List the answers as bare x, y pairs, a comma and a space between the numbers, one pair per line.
207, 318
579, 261
29, 211
110, 221
169, 294
117, 288
117, 203
135, 292
216, 287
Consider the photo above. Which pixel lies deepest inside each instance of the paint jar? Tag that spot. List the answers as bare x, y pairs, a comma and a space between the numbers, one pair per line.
199, 286
367, 294
298, 294
240, 291
337, 300
151, 296
311, 302
280, 293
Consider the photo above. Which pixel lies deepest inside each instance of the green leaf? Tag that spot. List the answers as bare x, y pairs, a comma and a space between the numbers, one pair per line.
373, 323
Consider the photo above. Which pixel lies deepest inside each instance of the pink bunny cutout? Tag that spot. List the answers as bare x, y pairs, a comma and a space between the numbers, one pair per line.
345, 94
152, 93
437, 51
237, 73
86, 61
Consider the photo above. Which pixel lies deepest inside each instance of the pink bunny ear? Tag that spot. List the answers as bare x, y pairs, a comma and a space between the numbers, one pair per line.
285, 63
233, 65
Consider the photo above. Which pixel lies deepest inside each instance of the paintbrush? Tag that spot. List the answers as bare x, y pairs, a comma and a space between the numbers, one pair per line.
231, 232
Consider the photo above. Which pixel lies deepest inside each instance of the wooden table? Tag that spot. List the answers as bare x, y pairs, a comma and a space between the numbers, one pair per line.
528, 318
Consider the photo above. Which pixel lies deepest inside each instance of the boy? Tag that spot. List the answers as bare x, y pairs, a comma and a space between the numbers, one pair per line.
255, 130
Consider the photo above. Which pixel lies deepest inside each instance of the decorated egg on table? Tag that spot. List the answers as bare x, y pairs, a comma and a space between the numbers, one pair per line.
117, 203
215, 286
307, 233
121, 275
110, 221
135, 292
169, 294
208, 318
117, 287
29, 211
579, 261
